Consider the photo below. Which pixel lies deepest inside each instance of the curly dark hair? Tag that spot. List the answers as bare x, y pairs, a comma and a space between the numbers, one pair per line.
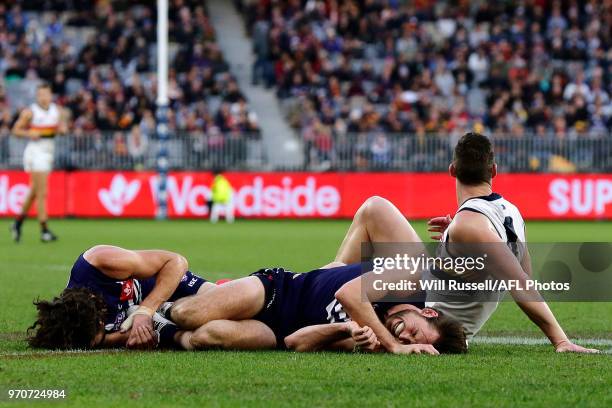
70, 321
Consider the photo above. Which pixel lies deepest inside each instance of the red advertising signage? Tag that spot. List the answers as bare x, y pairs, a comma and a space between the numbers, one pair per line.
305, 195
14, 189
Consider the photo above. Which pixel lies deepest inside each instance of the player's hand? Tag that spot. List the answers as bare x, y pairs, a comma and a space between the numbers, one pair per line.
142, 335
569, 347
438, 225
364, 337
415, 349
33, 134
62, 129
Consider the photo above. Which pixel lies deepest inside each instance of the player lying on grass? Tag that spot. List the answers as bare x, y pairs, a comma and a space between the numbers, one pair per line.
292, 310
275, 308
104, 282
484, 220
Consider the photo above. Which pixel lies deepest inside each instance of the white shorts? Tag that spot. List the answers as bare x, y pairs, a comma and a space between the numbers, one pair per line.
38, 155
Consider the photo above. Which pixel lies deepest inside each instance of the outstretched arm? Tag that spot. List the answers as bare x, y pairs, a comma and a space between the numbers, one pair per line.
167, 267
473, 228
564, 345
345, 336
317, 337
21, 127
362, 312
376, 221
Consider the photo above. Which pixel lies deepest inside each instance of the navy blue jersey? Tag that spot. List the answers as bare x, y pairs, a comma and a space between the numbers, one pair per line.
296, 300
119, 295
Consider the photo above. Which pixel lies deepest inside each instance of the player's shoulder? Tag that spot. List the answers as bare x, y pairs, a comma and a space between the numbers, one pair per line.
510, 208
471, 226
468, 220
494, 202
100, 255
27, 111
84, 272
504, 201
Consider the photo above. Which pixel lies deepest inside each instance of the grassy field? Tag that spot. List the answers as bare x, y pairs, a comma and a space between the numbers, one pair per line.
490, 375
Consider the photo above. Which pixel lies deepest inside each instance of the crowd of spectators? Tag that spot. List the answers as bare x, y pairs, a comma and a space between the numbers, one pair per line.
515, 69
352, 74
107, 79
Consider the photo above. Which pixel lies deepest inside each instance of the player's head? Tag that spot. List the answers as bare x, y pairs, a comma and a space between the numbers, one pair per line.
44, 96
473, 160
73, 320
427, 326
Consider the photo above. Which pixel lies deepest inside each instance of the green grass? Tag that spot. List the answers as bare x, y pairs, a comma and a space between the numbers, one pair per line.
490, 375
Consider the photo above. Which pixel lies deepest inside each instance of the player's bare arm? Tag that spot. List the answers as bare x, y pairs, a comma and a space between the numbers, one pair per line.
21, 128
118, 263
349, 295
377, 220
64, 118
471, 227
344, 336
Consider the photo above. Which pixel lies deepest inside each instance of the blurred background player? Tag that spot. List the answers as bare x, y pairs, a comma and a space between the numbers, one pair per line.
221, 200
40, 123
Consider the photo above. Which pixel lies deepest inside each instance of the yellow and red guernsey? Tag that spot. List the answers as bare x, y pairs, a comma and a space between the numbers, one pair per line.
45, 131
45, 122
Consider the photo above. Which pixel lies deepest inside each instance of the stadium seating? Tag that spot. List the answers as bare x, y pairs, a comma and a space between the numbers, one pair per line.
368, 84
101, 64
533, 69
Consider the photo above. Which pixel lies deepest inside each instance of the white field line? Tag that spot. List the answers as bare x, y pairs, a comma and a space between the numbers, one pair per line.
527, 341
531, 341
59, 352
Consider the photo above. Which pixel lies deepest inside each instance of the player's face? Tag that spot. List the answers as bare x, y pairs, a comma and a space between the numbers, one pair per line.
44, 96
411, 327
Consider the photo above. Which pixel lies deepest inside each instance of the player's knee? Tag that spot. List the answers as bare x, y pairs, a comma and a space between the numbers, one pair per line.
366, 208
211, 335
182, 313
182, 261
374, 205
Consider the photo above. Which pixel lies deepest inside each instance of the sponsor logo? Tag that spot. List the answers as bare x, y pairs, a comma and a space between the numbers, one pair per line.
307, 199
187, 198
119, 194
255, 199
121, 315
127, 290
271, 302
580, 196
299, 195
11, 197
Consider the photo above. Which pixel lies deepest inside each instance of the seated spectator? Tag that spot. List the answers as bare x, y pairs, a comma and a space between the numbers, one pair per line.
434, 67
137, 145
107, 80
